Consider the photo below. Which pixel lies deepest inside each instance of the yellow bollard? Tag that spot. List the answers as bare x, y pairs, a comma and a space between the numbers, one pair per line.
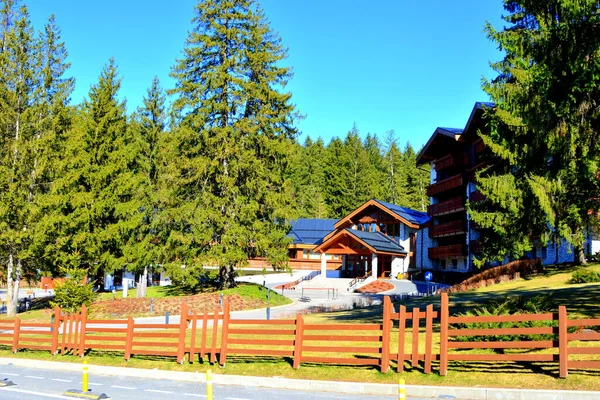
84, 381
401, 389
209, 387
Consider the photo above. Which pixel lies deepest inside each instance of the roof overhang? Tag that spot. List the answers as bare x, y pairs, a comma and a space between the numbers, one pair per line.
375, 203
327, 246
438, 134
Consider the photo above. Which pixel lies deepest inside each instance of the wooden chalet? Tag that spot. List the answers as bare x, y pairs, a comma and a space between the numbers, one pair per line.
377, 239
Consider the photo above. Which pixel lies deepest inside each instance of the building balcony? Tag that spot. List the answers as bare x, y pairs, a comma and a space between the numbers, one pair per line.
476, 197
479, 146
447, 229
451, 161
455, 204
452, 251
447, 184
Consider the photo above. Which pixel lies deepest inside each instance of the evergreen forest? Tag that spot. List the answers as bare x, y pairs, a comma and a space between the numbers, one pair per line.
208, 172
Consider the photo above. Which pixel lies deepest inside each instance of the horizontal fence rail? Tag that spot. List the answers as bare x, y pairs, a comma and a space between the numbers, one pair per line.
417, 336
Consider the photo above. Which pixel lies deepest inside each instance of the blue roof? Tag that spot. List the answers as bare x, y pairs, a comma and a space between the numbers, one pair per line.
412, 216
310, 231
453, 131
378, 241
486, 104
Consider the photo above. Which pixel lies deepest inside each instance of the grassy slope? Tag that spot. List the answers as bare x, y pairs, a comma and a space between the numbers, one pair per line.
582, 300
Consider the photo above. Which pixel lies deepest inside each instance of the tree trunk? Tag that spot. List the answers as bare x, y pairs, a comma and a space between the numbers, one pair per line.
579, 255
12, 292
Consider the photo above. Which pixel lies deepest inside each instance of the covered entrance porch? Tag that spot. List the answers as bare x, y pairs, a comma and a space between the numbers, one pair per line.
365, 254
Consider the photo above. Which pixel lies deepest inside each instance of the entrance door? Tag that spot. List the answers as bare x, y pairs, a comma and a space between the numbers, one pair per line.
384, 265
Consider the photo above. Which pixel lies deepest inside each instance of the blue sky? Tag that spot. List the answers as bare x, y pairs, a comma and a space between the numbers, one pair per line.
406, 65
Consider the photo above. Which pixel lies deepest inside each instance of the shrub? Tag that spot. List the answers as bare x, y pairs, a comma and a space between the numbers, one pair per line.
503, 273
585, 276
532, 305
73, 293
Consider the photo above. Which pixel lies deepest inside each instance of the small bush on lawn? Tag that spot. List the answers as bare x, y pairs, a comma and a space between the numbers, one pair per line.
585, 276
73, 293
532, 305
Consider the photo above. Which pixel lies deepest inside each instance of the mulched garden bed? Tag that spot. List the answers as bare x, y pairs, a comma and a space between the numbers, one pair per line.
375, 287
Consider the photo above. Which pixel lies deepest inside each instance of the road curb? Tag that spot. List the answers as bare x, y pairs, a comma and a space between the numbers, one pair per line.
381, 389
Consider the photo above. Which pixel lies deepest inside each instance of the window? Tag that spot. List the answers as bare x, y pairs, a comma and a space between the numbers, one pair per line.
443, 264
455, 264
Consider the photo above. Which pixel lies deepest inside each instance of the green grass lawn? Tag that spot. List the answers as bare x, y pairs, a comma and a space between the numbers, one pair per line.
582, 301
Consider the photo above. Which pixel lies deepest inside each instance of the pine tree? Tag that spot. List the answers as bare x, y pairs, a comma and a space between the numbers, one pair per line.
19, 169
54, 120
235, 125
338, 180
142, 247
396, 180
375, 171
98, 208
416, 181
308, 176
544, 129
356, 161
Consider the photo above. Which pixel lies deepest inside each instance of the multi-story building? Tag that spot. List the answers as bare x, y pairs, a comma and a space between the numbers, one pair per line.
454, 156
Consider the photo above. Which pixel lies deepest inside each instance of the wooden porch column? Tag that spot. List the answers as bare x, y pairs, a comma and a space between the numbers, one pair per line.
374, 265
323, 266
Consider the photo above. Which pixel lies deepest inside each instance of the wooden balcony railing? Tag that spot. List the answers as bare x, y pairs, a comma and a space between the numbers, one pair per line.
454, 250
449, 206
479, 146
451, 160
447, 184
447, 229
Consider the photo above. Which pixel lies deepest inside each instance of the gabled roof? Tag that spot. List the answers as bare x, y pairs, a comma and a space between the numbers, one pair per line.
451, 134
377, 241
411, 218
454, 133
310, 231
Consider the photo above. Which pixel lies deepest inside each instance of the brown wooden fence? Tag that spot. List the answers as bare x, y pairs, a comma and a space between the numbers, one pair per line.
417, 336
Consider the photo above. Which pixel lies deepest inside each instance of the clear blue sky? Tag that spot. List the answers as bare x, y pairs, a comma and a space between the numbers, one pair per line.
407, 65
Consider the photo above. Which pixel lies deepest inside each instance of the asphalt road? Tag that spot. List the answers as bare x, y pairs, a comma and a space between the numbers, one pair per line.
33, 383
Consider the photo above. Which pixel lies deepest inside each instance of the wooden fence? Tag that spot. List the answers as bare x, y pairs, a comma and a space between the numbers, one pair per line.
420, 337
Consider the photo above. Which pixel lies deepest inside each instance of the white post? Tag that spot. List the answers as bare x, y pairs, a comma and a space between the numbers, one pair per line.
374, 265
323, 266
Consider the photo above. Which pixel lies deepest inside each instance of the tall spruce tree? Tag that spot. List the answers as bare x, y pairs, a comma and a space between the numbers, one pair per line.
142, 246
18, 86
54, 120
375, 171
235, 125
308, 177
100, 174
545, 128
416, 181
395, 181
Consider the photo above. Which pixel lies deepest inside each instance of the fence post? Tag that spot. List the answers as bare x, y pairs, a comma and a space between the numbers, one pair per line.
129, 340
84, 312
385, 337
444, 315
192, 355
401, 337
563, 342
16, 333
55, 328
224, 333
299, 336
428, 337
415, 337
182, 330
